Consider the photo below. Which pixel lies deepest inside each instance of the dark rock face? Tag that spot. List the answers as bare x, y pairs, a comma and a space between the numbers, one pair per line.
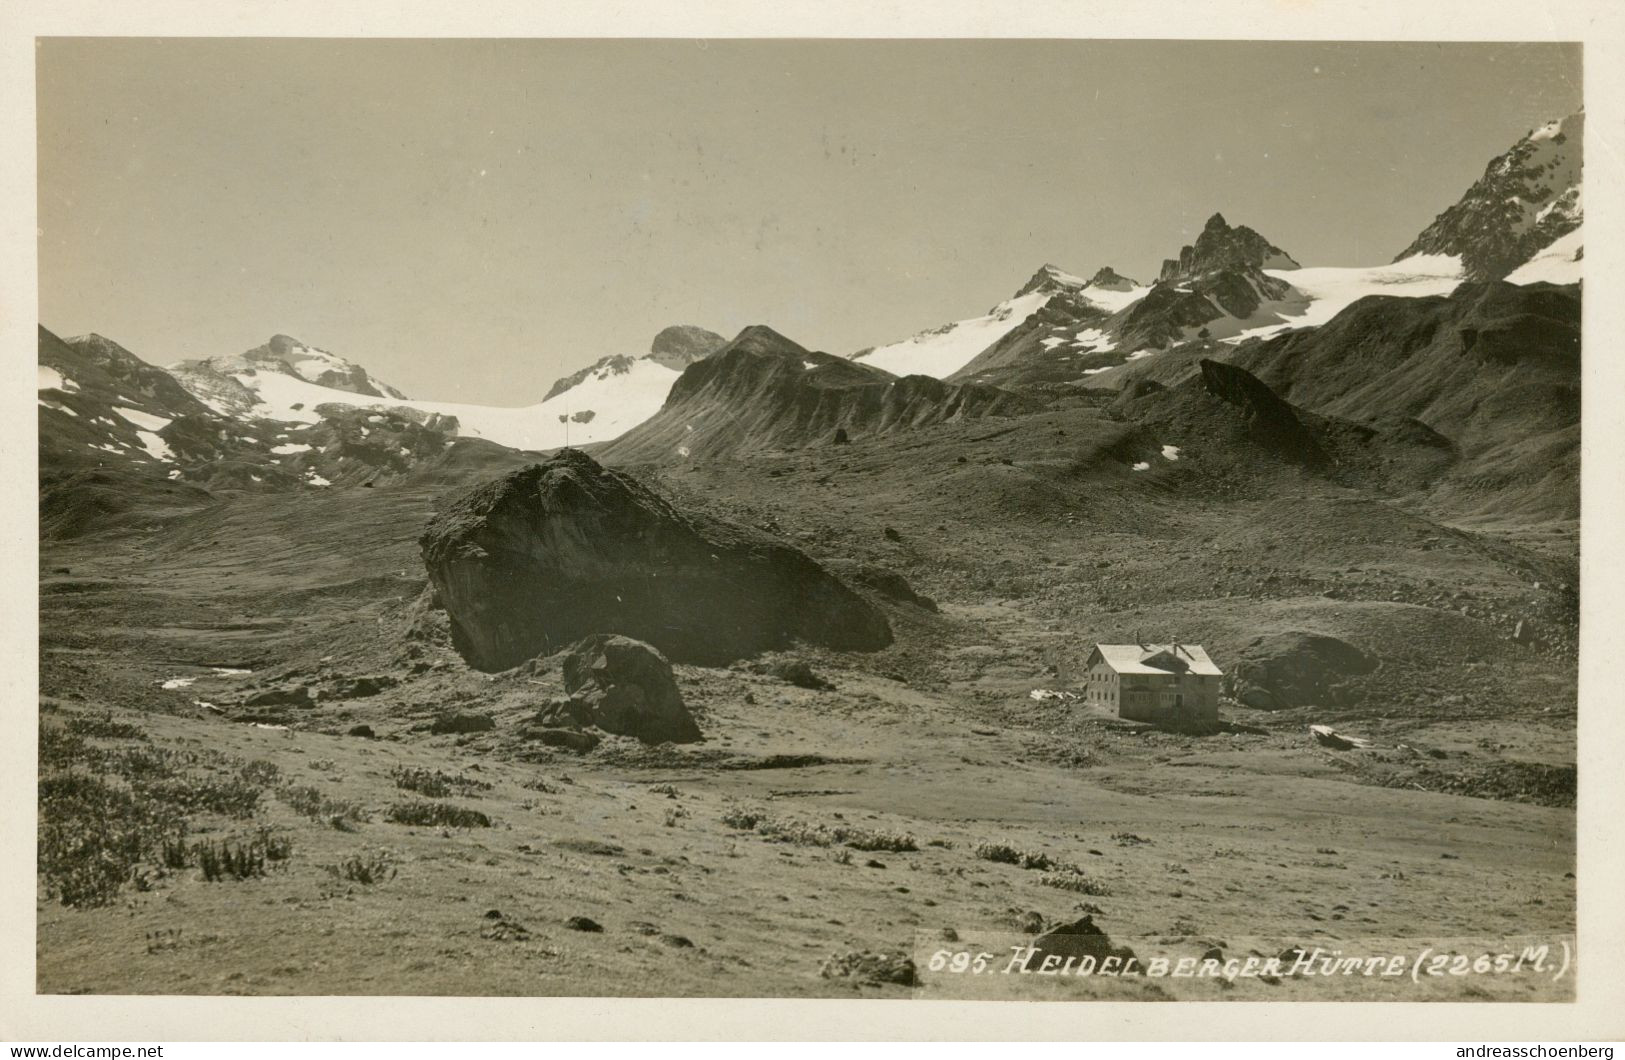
1222, 247
1526, 200
1298, 669
558, 551
625, 687
1271, 421
1173, 307
1108, 278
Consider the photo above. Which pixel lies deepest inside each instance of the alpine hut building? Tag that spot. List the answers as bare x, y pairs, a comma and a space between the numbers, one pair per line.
1167, 684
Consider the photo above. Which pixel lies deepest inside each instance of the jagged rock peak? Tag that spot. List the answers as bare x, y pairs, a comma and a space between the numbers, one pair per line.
1221, 246
1108, 278
1527, 199
1055, 279
1050, 278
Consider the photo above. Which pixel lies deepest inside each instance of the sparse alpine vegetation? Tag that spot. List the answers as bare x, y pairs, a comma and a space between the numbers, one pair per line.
1028, 859
436, 783
803, 833
436, 815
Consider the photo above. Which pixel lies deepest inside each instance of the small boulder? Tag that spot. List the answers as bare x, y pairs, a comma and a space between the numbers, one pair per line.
460, 722
583, 923
362, 687
281, 696
1081, 938
364, 731
871, 968
626, 687
798, 673
568, 739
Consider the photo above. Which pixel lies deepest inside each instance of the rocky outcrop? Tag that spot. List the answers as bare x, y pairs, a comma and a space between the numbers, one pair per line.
623, 686
1271, 422
1223, 247
1107, 278
554, 552
1297, 670
683, 344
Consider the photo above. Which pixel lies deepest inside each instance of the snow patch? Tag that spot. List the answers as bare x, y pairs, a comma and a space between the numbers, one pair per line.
1321, 293
230, 671
49, 378
942, 351
290, 448
1547, 131
177, 682
57, 406
1142, 466
1170, 452
313, 479
155, 446
1110, 299
142, 419
622, 400
1559, 263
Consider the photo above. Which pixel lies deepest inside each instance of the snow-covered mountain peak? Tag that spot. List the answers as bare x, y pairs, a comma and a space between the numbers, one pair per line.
1107, 278
1527, 199
221, 376
1051, 278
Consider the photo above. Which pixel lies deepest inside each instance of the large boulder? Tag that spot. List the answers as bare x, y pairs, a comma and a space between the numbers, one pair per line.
1299, 670
557, 551
625, 687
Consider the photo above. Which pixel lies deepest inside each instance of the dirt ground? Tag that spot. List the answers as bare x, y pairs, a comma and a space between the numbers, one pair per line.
726, 868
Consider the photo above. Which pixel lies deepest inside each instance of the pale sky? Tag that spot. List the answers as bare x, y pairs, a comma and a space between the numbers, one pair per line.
472, 219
